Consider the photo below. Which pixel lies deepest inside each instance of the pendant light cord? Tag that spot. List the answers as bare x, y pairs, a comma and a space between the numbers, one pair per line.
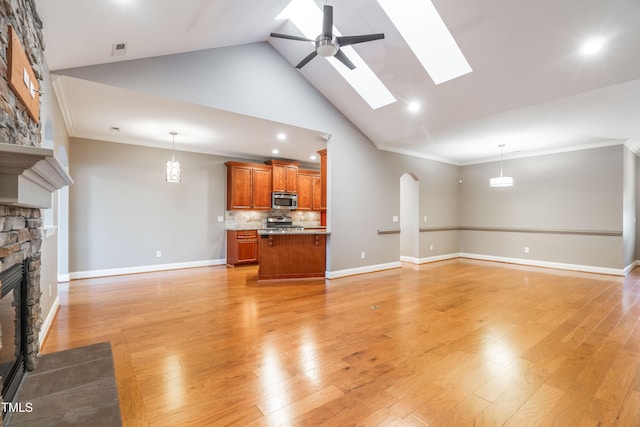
173, 145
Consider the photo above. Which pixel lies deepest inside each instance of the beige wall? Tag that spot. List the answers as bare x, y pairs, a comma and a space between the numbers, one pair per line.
122, 211
579, 190
575, 190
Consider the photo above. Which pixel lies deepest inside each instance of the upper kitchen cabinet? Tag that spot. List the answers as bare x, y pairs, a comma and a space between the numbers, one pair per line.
309, 190
285, 176
248, 186
323, 179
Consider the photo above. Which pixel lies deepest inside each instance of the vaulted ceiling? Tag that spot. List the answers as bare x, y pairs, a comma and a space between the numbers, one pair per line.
531, 87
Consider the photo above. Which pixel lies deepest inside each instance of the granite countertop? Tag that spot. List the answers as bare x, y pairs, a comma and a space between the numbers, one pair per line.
294, 231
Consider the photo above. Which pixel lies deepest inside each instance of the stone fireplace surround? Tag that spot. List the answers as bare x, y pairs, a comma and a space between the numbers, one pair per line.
20, 240
28, 174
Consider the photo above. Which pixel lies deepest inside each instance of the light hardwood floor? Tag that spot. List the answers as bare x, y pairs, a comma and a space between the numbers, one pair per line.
453, 343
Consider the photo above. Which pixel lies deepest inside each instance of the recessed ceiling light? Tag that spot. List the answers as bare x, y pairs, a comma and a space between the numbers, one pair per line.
414, 106
275, 151
313, 157
592, 46
282, 136
428, 37
306, 15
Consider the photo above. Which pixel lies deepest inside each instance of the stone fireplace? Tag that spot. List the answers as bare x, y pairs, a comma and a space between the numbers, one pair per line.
28, 174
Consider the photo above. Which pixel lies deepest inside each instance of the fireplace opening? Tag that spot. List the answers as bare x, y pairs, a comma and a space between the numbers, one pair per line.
12, 324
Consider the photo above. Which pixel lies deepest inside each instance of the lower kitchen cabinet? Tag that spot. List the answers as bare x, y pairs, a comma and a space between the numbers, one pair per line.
242, 247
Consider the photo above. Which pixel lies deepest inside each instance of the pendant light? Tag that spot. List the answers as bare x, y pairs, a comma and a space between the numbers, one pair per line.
173, 167
501, 181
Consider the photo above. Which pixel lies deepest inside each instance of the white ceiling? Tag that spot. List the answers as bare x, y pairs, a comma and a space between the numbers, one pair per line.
530, 88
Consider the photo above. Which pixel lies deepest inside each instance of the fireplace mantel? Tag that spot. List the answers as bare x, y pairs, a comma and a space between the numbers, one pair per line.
28, 176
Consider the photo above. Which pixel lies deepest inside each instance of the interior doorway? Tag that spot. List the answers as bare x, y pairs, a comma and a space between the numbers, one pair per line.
409, 218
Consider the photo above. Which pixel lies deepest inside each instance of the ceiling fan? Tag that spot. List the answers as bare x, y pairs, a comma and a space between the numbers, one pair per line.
326, 44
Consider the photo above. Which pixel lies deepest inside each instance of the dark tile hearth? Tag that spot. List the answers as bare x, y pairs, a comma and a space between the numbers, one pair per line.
73, 387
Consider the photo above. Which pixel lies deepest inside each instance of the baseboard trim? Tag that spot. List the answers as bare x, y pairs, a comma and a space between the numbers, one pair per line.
428, 260
547, 264
630, 267
529, 262
362, 270
144, 269
48, 321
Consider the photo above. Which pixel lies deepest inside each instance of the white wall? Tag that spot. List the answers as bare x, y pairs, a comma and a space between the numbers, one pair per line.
629, 211
50, 116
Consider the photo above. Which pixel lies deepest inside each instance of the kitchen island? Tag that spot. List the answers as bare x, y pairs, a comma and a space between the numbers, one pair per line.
292, 254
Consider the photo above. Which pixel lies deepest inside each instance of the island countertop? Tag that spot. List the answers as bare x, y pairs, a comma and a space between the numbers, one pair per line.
265, 231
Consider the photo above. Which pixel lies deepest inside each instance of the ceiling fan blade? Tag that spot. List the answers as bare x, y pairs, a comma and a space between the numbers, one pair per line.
286, 36
307, 59
347, 40
327, 21
340, 56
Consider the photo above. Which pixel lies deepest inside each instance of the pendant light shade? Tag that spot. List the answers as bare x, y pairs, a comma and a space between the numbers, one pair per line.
173, 166
501, 181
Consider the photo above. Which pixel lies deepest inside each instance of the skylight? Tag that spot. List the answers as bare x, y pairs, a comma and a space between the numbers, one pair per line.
428, 37
307, 17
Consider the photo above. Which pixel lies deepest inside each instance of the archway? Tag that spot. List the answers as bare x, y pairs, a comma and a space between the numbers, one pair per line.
409, 218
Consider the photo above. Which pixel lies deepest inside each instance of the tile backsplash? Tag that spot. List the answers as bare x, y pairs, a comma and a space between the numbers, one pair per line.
255, 220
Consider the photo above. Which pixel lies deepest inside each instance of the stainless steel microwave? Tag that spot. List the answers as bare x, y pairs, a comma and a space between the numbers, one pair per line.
287, 201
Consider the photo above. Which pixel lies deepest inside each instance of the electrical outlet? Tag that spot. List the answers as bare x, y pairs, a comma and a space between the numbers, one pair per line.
395, 218
526, 249
49, 289
431, 247
362, 255
158, 254
220, 219
425, 218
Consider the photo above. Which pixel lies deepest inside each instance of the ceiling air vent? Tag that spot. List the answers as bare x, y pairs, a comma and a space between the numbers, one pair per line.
118, 49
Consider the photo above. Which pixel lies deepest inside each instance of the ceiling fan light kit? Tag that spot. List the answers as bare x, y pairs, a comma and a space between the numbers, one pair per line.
326, 45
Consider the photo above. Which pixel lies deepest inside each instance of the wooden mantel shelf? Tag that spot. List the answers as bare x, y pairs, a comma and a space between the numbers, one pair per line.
28, 176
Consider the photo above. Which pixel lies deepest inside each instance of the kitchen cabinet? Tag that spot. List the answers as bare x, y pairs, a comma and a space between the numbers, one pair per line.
248, 186
309, 191
242, 247
323, 187
316, 185
284, 175
323, 179
292, 255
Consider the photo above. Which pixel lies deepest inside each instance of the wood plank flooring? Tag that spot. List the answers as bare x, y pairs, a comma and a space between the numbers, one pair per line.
453, 343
